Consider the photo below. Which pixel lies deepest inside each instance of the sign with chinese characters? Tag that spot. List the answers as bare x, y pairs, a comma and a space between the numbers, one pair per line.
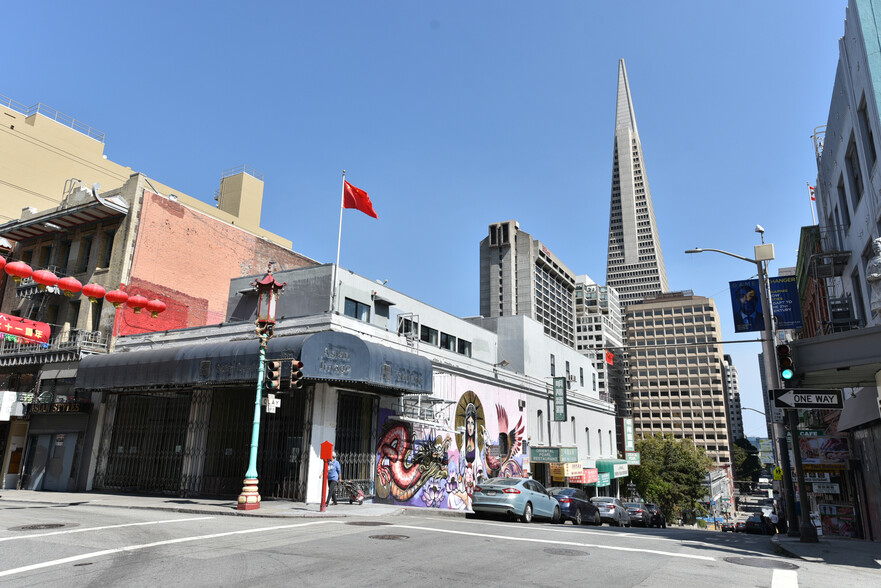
826, 488
560, 399
632, 458
21, 328
603, 479
587, 476
629, 443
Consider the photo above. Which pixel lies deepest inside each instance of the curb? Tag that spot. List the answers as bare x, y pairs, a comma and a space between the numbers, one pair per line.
211, 511
779, 549
437, 512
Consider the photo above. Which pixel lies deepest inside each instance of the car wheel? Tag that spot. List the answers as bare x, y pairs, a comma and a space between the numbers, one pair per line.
527, 514
558, 516
578, 519
597, 520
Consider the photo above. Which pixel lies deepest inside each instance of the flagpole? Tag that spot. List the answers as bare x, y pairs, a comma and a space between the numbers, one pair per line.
338, 241
813, 194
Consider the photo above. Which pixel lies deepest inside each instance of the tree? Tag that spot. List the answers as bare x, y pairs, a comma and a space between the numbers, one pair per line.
672, 474
746, 463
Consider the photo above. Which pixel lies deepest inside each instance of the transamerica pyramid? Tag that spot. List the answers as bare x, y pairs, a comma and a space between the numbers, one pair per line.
635, 264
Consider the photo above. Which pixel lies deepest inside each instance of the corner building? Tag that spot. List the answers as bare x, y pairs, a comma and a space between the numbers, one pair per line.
677, 380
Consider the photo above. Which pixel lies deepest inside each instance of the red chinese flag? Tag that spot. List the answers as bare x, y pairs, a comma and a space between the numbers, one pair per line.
610, 358
357, 198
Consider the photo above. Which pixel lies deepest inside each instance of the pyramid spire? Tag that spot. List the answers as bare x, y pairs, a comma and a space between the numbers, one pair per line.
624, 115
635, 264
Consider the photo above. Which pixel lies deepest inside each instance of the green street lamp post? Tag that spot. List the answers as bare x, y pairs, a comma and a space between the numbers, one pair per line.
268, 289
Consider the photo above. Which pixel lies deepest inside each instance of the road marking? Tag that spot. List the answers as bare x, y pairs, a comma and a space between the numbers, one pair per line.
784, 579
20, 537
557, 542
94, 554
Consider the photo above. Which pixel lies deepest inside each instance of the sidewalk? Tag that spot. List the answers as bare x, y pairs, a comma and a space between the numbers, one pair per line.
268, 508
831, 550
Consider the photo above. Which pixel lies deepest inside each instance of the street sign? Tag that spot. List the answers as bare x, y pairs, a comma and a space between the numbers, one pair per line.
778, 473
807, 398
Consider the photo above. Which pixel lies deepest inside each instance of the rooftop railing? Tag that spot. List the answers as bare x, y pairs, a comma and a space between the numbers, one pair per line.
49, 112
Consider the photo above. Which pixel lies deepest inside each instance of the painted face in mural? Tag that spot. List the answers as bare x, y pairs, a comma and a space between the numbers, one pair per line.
470, 433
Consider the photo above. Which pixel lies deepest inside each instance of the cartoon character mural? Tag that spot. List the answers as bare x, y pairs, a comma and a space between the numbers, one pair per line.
418, 465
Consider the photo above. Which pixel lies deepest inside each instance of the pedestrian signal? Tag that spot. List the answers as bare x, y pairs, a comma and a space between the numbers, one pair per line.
296, 375
785, 362
272, 375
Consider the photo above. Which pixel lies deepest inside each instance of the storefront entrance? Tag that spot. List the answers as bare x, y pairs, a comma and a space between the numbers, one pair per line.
198, 443
356, 439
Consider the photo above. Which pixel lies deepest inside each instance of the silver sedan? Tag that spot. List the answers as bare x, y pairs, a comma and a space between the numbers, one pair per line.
523, 498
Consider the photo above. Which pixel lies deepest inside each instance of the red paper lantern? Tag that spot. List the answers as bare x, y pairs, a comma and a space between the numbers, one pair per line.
2, 262
155, 307
19, 270
44, 279
137, 302
93, 292
69, 286
116, 297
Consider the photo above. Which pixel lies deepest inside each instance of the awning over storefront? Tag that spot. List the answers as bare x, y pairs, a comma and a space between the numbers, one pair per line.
616, 468
326, 356
65, 218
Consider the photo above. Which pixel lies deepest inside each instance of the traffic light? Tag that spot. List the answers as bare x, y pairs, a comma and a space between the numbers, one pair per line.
785, 363
296, 374
272, 376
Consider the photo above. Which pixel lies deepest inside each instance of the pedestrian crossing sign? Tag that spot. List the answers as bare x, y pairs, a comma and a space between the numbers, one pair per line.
778, 473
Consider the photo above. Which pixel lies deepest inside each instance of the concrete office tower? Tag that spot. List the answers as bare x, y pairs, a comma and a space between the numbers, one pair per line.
599, 328
734, 407
635, 264
519, 275
676, 371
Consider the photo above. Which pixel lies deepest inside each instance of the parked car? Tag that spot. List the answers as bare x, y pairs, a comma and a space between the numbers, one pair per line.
639, 513
576, 506
755, 525
612, 510
658, 519
516, 497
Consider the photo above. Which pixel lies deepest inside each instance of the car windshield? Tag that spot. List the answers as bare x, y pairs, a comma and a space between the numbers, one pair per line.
754, 519
503, 481
633, 504
562, 491
602, 499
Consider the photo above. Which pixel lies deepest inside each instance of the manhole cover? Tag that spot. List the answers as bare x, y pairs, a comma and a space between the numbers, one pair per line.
761, 562
40, 527
389, 537
367, 523
564, 551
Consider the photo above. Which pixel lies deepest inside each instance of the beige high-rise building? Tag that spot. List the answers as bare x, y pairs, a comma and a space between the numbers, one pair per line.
676, 371
46, 155
520, 275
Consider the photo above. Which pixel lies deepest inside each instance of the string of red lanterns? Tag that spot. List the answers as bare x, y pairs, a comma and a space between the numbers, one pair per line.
70, 286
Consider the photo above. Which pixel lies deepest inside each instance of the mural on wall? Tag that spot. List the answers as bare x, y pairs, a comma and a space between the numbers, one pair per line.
418, 465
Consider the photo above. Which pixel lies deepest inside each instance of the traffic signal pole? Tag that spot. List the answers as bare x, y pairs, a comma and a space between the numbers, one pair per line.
769, 356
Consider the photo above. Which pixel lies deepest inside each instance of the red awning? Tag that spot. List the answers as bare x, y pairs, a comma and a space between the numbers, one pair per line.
30, 331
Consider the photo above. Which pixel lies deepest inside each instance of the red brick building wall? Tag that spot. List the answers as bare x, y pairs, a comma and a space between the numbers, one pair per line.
186, 259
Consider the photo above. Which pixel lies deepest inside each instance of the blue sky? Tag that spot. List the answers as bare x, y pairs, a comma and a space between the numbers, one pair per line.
454, 115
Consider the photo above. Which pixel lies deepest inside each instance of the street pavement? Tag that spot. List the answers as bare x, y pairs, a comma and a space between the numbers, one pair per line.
115, 539
828, 549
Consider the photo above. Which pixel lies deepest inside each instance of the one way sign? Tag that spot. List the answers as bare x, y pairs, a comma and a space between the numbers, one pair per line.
806, 398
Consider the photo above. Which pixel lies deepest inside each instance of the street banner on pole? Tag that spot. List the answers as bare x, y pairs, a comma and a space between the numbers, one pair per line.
784, 301
560, 399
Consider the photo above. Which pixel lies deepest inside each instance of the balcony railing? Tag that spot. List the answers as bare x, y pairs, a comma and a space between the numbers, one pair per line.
66, 346
50, 112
